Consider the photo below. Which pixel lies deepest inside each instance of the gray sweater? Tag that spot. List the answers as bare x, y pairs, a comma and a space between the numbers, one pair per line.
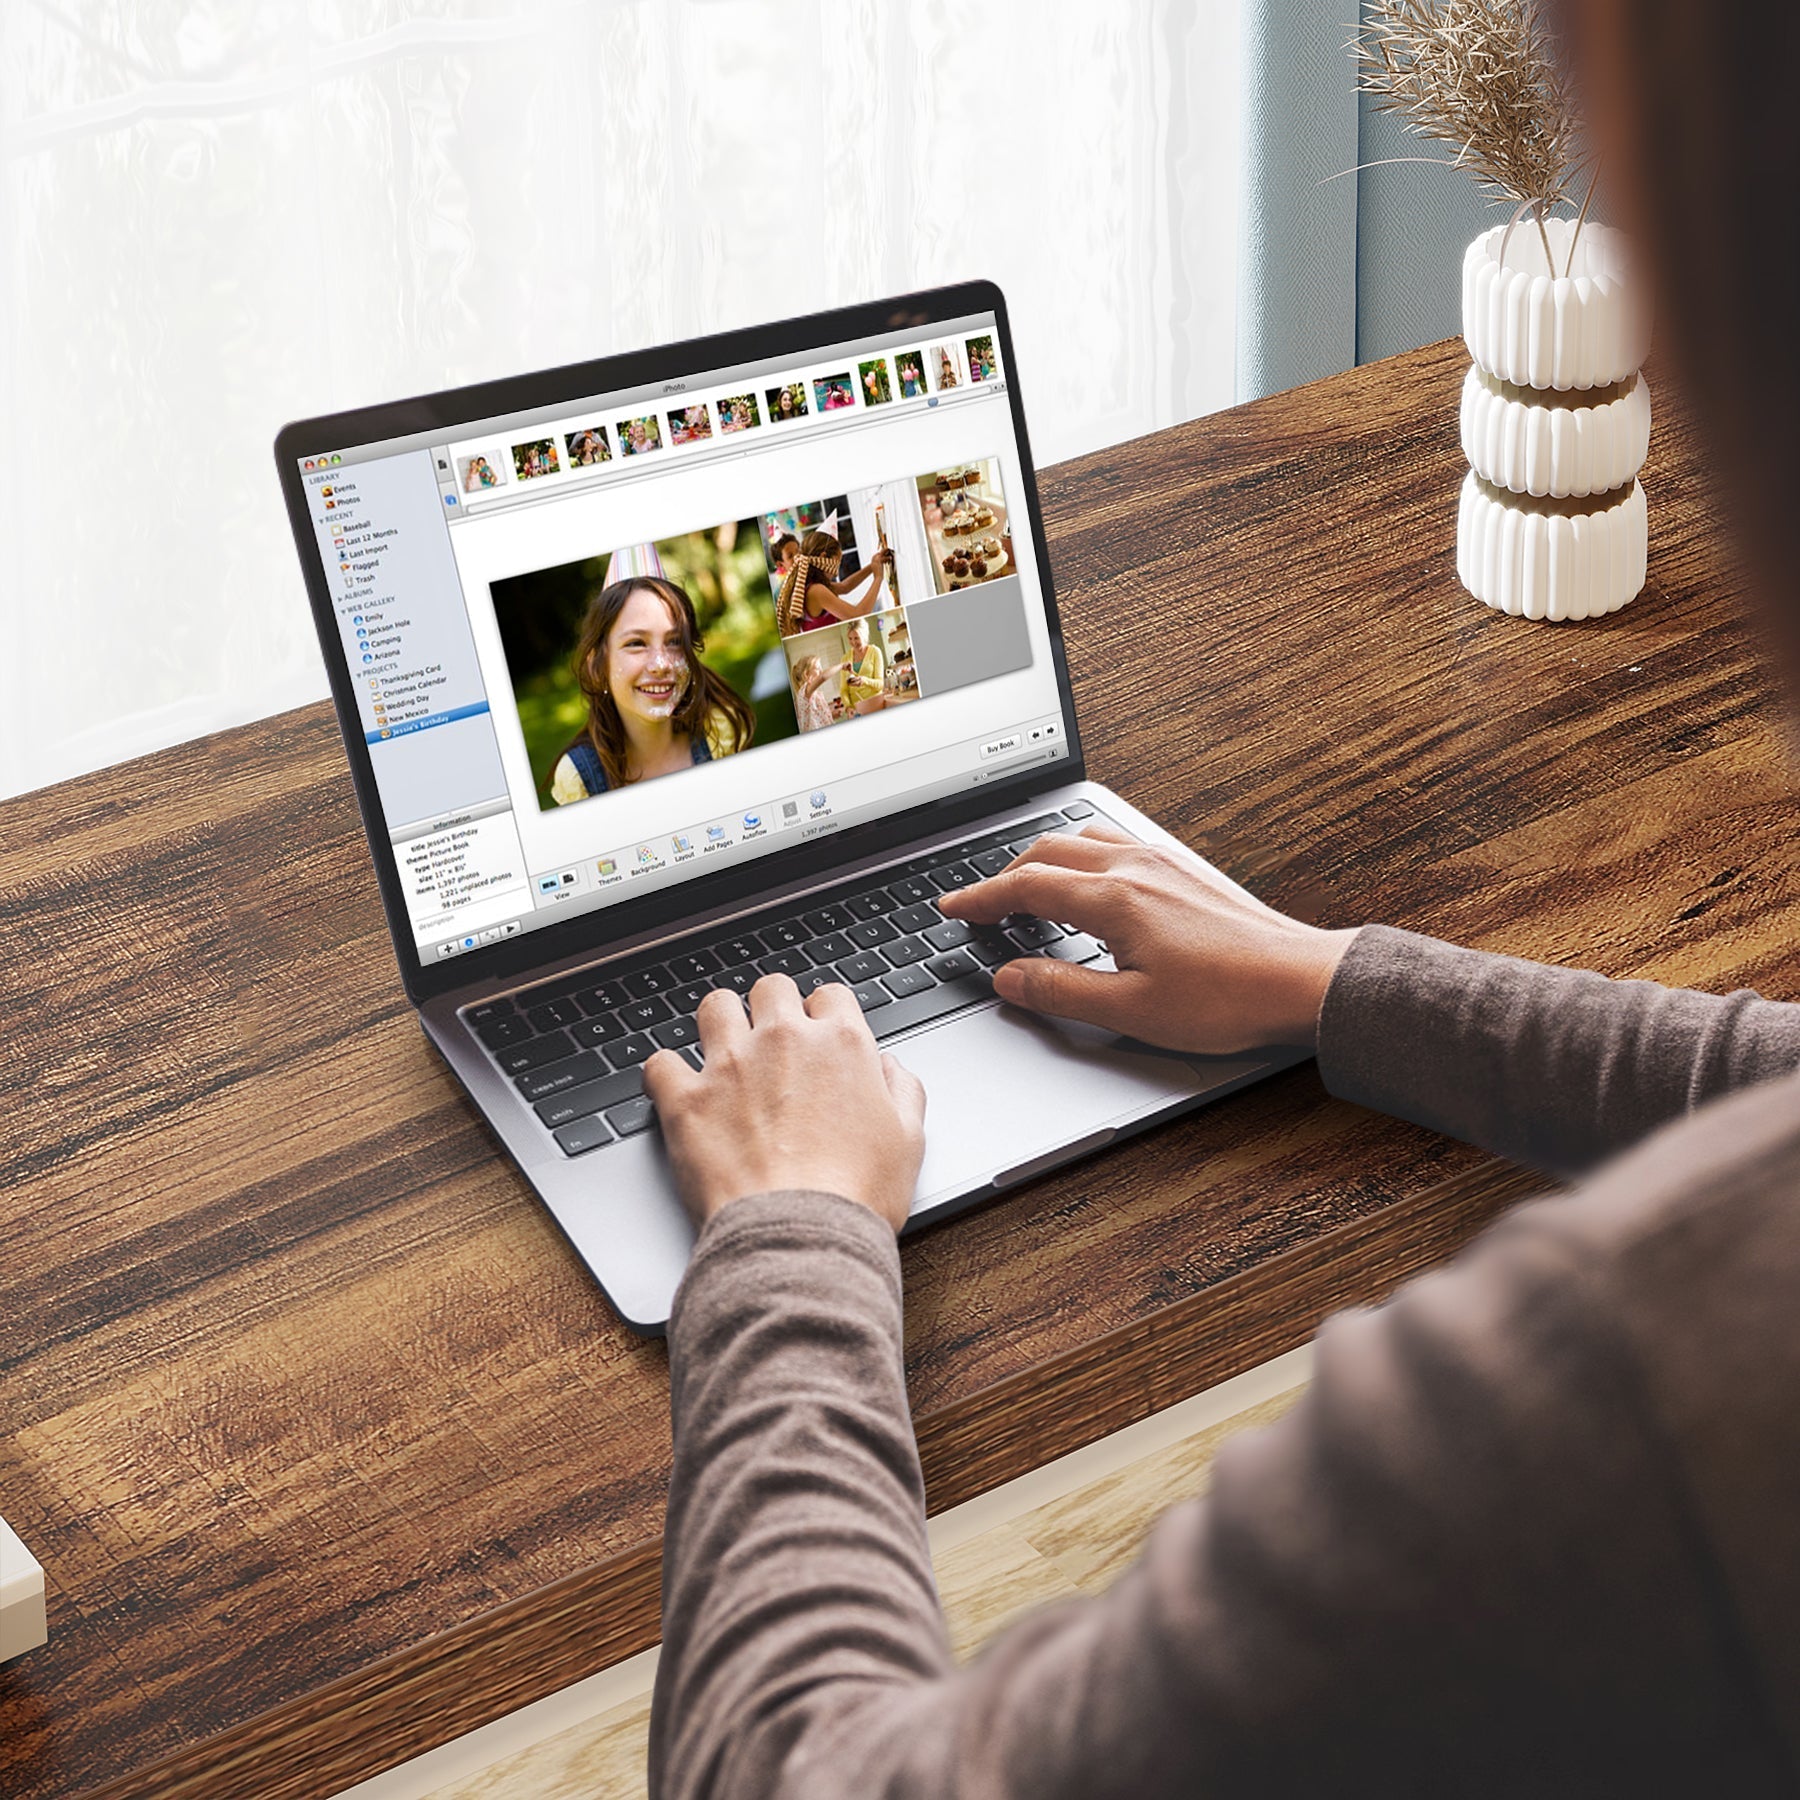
1534, 1529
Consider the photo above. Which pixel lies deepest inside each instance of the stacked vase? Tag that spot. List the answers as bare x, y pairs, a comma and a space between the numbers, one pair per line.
1555, 424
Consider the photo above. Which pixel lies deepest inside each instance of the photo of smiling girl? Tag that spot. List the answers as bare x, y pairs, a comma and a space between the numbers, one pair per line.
653, 706
644, 660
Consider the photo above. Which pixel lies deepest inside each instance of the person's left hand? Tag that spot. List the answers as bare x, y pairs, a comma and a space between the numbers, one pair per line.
794, 1095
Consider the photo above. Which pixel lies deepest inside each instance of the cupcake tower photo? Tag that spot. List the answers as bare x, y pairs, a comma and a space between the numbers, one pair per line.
1551, 523
965, 519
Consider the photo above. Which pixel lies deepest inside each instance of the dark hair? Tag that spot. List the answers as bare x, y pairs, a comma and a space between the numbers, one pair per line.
1693, 108
780, 545
707, 693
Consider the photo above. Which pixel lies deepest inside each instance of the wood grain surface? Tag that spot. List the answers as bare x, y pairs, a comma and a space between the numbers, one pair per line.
328, 1446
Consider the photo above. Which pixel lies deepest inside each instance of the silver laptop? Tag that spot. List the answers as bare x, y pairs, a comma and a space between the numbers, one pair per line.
663, 672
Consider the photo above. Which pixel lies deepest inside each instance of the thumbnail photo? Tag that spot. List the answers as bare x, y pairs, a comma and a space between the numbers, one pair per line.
690, 424
588, 446
983, 364
834, 392
477, 474
644, 661
909, 371
865, 551
639, 435
739, 413
850, 669
534, 459
941, 364
787, 402
964, 513
877, 389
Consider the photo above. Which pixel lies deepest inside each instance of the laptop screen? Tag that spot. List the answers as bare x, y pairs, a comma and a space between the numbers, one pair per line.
599, 648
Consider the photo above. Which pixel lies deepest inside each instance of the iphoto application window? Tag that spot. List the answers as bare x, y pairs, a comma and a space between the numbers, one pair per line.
600, 648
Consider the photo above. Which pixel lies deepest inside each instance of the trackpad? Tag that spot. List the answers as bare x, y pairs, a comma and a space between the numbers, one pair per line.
1009, 1095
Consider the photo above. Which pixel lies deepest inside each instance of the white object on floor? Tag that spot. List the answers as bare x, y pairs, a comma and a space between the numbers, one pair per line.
22, 1622
489, 1744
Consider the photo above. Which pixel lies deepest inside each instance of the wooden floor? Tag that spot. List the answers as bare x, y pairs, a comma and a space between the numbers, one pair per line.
990, 1570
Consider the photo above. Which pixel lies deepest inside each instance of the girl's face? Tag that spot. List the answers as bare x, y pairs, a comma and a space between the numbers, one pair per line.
646, 667
858, 640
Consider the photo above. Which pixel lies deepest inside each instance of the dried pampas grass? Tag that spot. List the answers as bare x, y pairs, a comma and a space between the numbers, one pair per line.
1483, 76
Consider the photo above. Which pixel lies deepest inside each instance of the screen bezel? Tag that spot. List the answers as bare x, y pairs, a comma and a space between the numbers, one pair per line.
592, 932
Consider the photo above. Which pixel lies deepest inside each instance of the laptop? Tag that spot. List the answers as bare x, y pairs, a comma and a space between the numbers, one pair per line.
663, 672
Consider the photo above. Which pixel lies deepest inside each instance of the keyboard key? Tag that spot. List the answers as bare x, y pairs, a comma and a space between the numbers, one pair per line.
584, 1135
489, 1009
1078, 947
608, 996
1034, 934
867, 933
990, 948
650, 981
687, 999
590, 1097
1078, 809
554, 1013
693, 965
947, 934
954, 875
737, 981
914, 918
907, 981
628, 1052
871, 994
990, 862
640, 1015
601, 1029
676, 1033
912, 889
502, 1032
1019, 846
633, 1116
954, 965
870, 905
785, 962
737, 951
785, 934
814, 979
552, 1078
694, 1057
834, 946
534, 1055
908, 950
827, 918
862, 968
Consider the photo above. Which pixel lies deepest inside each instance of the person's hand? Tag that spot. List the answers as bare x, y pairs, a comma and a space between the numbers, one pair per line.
794, 1095
1201, 965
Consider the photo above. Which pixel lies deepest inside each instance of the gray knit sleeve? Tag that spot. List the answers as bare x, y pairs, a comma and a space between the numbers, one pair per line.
1555, 1068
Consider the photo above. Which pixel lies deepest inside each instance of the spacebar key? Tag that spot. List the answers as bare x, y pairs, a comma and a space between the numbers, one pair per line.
934, 1003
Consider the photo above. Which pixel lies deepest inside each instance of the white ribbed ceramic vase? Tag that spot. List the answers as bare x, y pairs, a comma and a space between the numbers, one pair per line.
1555, 424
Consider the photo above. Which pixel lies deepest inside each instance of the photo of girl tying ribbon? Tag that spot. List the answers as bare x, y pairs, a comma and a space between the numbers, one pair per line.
813, 597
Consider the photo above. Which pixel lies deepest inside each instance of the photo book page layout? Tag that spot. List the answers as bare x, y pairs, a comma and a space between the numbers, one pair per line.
645, 659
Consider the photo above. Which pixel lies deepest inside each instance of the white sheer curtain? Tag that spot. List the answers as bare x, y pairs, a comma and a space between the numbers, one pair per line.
217, 215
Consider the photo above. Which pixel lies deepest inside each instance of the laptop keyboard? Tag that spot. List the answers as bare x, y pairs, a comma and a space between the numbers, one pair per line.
575, 1047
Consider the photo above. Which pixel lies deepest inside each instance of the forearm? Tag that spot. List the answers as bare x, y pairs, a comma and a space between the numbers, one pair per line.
1556, 1068
797, 1581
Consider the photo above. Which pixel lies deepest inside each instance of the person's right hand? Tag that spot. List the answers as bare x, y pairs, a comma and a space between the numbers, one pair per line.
1201, 964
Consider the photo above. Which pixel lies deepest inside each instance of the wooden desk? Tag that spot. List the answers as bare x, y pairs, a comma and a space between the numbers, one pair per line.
329, 1448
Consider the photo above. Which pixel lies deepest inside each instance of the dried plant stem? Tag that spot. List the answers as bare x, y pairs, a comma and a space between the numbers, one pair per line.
1581, 219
